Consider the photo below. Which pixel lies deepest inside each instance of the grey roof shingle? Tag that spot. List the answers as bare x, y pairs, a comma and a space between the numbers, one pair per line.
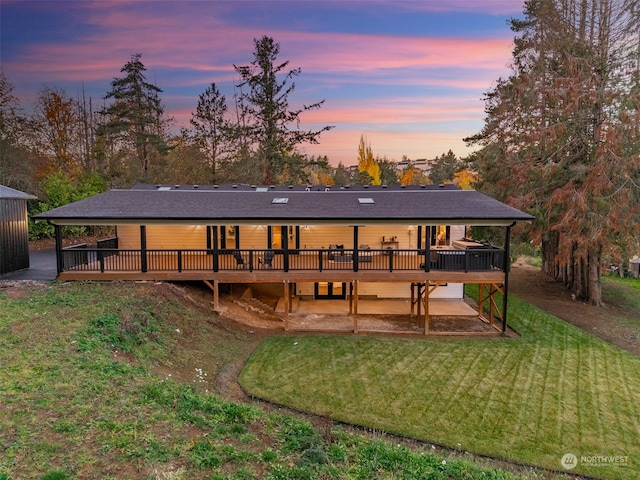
254, 205
7, 192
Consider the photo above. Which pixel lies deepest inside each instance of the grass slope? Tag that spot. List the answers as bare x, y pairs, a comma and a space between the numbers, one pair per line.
555, 390
86, 392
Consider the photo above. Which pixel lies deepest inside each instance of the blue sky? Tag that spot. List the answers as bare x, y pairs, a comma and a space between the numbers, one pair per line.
407, 74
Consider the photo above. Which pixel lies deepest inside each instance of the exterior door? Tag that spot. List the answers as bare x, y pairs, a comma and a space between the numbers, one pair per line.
330, 291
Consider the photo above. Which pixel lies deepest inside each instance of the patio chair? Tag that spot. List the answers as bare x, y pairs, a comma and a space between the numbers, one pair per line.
267, 259
239, 260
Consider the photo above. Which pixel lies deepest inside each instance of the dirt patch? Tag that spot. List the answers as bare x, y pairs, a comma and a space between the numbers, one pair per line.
533, 286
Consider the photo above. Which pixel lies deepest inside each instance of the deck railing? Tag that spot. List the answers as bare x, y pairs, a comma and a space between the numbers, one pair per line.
82, 258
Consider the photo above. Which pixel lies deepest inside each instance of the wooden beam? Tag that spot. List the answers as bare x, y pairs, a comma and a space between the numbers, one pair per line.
355, 297
426, 308
287, 297
216, 293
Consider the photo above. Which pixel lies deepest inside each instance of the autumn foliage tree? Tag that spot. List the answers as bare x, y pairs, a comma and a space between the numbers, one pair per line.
367, 163
561, 134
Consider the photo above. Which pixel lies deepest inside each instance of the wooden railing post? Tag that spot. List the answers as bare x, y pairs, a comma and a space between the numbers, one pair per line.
143, 248
284, 232
216, 251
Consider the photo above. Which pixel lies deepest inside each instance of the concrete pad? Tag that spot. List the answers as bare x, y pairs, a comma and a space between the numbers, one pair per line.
438, 306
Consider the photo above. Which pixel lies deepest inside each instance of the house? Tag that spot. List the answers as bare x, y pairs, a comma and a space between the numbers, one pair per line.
319, 242
14, 230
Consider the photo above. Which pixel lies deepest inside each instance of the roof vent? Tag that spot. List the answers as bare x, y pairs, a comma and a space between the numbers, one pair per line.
272, 187
290, 187
195, 186
234, 186
441, 185
158, 185
308, 189
215, 186
423, 186
366, 186
253, 186
327, 189
176, 186
384, 186
403, 186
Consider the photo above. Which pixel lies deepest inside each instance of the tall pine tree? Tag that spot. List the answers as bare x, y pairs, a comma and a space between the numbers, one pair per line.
135, 122
272, 124
558, 139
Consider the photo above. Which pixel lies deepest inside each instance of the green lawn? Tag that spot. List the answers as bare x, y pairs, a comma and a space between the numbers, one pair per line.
113, 381
555, 390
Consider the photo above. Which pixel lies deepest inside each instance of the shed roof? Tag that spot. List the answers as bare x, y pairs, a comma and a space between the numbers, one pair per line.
7, 192
248, 204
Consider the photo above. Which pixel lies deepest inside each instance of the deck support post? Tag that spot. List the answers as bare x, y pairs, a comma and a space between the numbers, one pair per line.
59, 261
505, 288
481, 287
355, 297
413, 297
427, 291
215, 288
287, 304
287, 297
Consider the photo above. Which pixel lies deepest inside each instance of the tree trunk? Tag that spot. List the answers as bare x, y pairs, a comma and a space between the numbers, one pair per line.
595, 285
550, 244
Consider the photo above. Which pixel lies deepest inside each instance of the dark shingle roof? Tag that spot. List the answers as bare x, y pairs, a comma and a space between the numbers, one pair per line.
304, 205
7, 192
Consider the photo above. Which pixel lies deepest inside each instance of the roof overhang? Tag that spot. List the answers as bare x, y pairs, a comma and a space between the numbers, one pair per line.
381, 206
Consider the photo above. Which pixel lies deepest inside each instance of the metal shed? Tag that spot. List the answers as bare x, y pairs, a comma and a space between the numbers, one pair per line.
14, 230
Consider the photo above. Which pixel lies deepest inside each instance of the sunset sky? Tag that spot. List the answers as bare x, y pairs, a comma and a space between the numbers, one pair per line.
407, 74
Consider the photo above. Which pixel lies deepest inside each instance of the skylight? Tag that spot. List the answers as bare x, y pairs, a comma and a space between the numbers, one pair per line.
366, 201
280, 200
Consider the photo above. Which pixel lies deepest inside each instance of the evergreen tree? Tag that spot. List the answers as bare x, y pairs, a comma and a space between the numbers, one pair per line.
444, 168
212, 130
135, 121
271, 124
15, 164
560, 136
341, 176
388, 172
